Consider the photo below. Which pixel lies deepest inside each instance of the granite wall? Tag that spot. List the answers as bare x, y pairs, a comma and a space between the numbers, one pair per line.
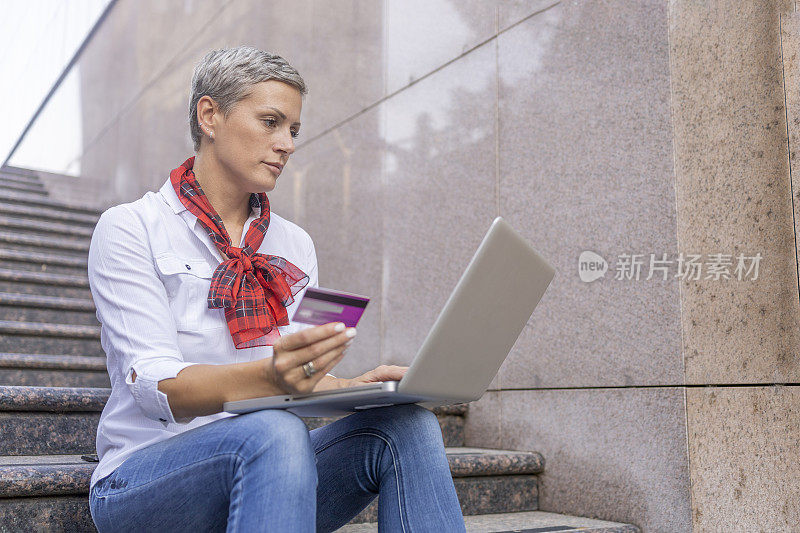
649, 129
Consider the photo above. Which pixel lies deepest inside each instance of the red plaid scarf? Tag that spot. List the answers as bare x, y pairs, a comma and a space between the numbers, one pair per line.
254, 288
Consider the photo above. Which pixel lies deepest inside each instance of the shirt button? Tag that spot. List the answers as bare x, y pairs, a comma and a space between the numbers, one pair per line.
188, 267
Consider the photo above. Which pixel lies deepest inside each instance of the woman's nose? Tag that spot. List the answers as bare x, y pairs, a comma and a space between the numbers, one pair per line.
285, 144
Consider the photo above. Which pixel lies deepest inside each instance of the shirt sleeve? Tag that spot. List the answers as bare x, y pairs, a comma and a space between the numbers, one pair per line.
138, 329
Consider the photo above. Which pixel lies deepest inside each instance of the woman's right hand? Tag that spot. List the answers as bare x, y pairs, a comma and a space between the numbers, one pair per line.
322, 345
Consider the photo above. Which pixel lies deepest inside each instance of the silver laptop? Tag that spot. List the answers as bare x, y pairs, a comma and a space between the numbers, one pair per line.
470, 339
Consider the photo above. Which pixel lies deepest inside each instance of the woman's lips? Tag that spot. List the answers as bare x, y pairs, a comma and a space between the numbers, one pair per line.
275, 168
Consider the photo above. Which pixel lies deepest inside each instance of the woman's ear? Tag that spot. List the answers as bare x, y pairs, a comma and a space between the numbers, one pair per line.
206, 111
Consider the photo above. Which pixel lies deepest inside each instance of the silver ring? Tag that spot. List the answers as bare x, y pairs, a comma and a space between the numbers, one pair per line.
309, 369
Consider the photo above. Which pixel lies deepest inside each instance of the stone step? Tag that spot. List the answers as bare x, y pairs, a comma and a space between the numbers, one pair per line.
30, 181
487, 481
52, 213
21, 173
16, 185
33, 242
53, 309
43, 370
525, 521
53, 399
20, 245
47, 338
35, 200
50, 420
56, 371
62, 514
52, 346
44, 228
51, 485
31, 415
44, 283
58, 263
18, 472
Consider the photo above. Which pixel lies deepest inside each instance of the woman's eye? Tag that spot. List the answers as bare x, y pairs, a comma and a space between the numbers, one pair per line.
271, 122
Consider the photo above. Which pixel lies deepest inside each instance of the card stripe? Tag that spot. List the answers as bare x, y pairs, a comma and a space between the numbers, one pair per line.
336, 298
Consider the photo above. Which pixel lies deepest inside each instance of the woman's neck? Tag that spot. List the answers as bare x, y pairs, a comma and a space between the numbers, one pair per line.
232, 205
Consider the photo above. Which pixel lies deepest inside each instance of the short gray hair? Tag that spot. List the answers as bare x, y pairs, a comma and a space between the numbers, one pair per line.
226, 75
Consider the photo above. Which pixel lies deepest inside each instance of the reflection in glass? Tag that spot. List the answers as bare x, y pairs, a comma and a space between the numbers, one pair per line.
55, 142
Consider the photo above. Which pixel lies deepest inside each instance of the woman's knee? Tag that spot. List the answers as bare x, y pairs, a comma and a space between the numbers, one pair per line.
415, 413
273, 430
411, 419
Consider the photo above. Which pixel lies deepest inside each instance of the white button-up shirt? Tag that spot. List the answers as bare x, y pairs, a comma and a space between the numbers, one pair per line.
150, 269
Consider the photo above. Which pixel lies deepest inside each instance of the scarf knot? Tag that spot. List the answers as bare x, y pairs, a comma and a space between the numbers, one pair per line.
244, 260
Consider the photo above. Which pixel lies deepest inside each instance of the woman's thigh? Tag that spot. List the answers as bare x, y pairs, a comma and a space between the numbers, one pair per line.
184, 483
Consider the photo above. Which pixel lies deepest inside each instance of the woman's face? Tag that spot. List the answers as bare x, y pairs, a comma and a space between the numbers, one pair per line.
258, 134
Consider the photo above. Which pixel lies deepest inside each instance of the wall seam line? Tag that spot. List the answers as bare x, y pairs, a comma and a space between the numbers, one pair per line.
382, 352
789, 152
500, 395
497, 112
679, 244
663, 386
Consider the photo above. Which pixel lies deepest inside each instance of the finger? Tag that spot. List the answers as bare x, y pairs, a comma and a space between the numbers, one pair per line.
389, 372
311, 383
312, 351
307, 336
290, 364
322, 363
335, 361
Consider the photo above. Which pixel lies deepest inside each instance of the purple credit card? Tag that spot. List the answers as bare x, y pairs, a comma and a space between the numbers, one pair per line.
321, 306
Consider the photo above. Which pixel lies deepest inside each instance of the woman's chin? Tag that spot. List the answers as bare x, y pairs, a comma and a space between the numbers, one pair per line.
267, 184
269, 174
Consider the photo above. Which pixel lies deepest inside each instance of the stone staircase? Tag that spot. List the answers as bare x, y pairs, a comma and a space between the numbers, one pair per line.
54, 384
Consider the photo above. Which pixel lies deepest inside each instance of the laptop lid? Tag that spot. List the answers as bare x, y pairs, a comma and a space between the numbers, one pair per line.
482, 319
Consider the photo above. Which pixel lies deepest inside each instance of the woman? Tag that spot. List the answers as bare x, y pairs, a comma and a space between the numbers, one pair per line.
190, 321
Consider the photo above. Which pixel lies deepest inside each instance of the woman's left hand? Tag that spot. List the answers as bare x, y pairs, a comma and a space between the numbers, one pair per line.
381, 373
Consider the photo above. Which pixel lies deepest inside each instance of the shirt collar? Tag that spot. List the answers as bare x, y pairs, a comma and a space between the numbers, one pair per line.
167, 191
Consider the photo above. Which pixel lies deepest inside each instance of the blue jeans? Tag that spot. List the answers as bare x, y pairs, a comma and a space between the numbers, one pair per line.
264, 471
